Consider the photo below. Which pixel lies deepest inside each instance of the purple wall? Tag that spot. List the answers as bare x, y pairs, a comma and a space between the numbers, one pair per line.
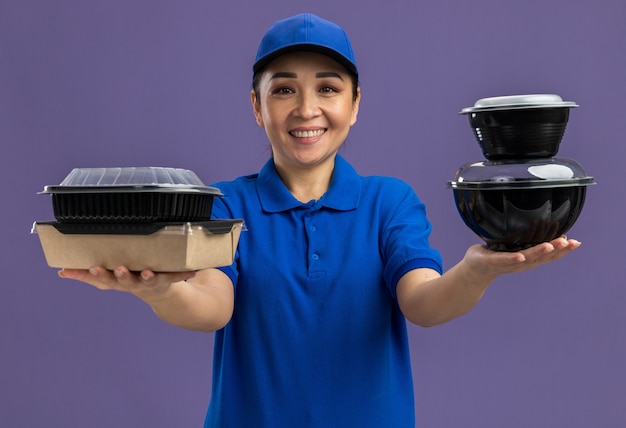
145, 83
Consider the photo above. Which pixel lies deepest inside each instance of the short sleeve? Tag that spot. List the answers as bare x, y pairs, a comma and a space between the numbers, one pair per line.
221, 211
406, 233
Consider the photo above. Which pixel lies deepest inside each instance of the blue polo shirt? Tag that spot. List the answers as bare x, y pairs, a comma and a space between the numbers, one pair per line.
317, 338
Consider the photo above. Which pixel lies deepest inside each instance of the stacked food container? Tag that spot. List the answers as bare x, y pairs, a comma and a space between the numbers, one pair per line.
521, 194
139, 217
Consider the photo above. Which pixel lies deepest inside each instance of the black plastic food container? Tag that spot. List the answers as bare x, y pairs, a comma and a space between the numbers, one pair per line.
515, 205
131, 195
519, 126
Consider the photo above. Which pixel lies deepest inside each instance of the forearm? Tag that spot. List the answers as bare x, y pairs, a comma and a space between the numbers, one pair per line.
203, 303
428, 299
439, 299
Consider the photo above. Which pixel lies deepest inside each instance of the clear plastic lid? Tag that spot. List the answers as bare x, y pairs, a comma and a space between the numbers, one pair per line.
511, 102
131, 179
536, 173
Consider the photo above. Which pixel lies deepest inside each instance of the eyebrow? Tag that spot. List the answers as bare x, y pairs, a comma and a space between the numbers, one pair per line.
284, 74
321, 74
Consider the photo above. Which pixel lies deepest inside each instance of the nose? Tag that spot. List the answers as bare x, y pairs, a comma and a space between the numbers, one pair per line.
308, 105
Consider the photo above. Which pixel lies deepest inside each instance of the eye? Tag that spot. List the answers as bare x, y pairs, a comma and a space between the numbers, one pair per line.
283, 90
328, 90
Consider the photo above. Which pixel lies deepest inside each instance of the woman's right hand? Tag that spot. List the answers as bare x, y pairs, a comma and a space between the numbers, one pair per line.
200, 301
146, 284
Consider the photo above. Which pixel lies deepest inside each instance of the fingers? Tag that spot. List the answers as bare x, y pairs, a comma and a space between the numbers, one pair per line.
96, 276
101, 278
549, 251
122, 279
491, 263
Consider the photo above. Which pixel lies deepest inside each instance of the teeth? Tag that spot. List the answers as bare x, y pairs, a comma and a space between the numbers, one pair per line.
307, 134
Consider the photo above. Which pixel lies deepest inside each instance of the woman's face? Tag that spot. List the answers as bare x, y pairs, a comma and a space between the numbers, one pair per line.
306, 104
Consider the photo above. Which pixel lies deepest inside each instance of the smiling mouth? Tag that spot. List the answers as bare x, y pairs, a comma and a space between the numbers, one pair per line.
308, 134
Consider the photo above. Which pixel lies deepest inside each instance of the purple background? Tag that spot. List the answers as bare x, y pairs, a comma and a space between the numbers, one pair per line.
163, 83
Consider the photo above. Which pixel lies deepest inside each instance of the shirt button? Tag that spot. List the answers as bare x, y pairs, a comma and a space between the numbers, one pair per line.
313, 228
315, 257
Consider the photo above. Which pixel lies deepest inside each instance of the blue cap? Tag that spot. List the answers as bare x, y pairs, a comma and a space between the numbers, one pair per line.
305, 32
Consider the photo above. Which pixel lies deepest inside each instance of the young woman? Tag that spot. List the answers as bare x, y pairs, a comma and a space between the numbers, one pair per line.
310, 319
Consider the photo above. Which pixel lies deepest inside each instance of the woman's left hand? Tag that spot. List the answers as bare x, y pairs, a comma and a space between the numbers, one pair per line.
428, 299
495, 263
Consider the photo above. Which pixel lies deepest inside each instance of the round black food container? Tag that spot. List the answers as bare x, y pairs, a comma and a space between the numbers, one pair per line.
515, 205
519, 126
131, 195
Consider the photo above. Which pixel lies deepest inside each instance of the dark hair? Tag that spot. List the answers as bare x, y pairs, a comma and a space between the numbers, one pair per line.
256, 82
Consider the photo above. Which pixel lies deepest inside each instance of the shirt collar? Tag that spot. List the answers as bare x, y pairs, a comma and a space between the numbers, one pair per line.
343, 192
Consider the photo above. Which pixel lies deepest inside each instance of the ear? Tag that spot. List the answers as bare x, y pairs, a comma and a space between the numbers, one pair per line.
355, 106
256, 109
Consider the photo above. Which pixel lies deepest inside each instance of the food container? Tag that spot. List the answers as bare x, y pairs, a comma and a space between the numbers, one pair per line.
513, 205
131, 195
160, 247
519, 126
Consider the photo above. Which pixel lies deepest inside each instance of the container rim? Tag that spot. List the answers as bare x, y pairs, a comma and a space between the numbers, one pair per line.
132, 188
517, 102
216, 227
520, 184
565, 104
